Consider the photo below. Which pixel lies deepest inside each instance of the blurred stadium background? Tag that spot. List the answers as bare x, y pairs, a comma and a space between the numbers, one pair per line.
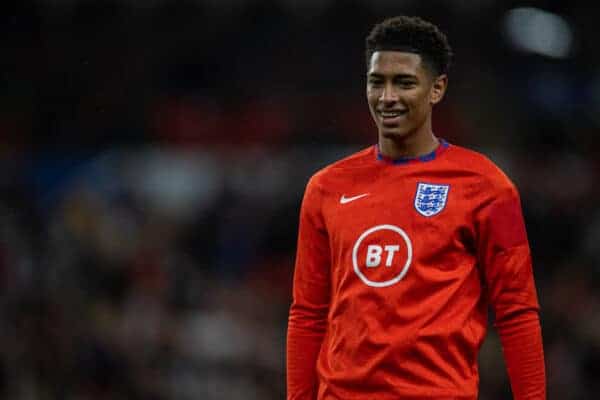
153, 158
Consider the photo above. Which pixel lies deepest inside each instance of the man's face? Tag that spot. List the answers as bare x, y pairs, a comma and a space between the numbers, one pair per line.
401, 92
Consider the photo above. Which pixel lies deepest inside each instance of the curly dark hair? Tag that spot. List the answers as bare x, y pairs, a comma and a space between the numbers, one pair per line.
414, 35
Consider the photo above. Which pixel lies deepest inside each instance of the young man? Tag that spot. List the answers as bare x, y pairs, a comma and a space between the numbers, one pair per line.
404, 245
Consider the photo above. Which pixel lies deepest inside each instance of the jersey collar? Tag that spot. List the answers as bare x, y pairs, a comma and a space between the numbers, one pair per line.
443, 145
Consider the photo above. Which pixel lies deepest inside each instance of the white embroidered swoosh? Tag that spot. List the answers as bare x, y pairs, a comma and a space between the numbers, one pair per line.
344, 199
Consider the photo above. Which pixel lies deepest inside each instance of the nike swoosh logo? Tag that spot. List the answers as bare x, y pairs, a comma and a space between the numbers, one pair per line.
344, 199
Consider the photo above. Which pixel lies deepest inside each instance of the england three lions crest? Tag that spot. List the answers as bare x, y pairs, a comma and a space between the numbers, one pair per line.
431, 199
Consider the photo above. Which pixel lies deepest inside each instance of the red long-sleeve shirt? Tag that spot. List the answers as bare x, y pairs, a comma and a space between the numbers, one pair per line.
397, 264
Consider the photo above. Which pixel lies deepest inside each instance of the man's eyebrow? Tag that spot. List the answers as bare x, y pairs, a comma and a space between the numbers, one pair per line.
395, 76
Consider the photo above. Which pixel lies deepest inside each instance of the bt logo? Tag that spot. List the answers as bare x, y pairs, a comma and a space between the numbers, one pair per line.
382, 255
374, 255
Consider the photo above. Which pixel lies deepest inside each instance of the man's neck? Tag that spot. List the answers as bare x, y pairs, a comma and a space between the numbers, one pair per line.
418, 146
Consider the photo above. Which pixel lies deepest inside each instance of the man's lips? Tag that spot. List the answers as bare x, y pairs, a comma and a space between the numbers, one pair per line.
391, 116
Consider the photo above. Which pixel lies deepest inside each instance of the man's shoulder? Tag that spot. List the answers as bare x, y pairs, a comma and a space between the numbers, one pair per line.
356, 160
488, 172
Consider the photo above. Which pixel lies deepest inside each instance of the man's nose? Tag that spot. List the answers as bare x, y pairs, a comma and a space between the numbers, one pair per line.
388, 95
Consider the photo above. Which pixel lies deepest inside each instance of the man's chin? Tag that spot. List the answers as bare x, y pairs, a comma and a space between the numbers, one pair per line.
392, 134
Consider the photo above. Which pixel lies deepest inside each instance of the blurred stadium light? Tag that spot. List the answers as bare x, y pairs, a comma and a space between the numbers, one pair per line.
538, 31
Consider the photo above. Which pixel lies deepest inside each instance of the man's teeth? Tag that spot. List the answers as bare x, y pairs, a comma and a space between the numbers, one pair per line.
388, 114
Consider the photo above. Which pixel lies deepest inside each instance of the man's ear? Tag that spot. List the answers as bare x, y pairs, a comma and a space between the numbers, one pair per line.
438, 88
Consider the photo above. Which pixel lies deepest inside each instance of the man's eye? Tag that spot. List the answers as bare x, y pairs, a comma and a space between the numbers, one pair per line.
407, 84
375, 82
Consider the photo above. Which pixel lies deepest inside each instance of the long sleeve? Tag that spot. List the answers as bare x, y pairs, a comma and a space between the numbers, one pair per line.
311, 293
507, 268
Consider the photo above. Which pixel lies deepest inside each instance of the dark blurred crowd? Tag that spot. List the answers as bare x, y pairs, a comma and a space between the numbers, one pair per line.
153, 159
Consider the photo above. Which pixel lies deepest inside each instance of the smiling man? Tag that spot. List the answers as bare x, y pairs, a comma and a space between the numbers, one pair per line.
401, 92
404, 246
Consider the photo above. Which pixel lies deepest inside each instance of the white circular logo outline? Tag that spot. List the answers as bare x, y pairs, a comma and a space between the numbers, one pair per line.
398, 277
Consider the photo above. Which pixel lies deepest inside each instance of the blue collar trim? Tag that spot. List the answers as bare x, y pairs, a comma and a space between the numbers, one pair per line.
405, 160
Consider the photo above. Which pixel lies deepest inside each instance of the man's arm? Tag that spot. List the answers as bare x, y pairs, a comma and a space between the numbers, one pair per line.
308, 313
507, 268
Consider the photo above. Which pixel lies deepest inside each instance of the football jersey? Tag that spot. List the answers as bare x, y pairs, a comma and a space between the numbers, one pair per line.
397, 263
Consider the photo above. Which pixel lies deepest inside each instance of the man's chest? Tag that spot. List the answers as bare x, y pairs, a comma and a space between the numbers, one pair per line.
379, 228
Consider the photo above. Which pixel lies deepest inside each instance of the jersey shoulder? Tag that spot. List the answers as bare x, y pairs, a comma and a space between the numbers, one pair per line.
478, 164
358, 160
